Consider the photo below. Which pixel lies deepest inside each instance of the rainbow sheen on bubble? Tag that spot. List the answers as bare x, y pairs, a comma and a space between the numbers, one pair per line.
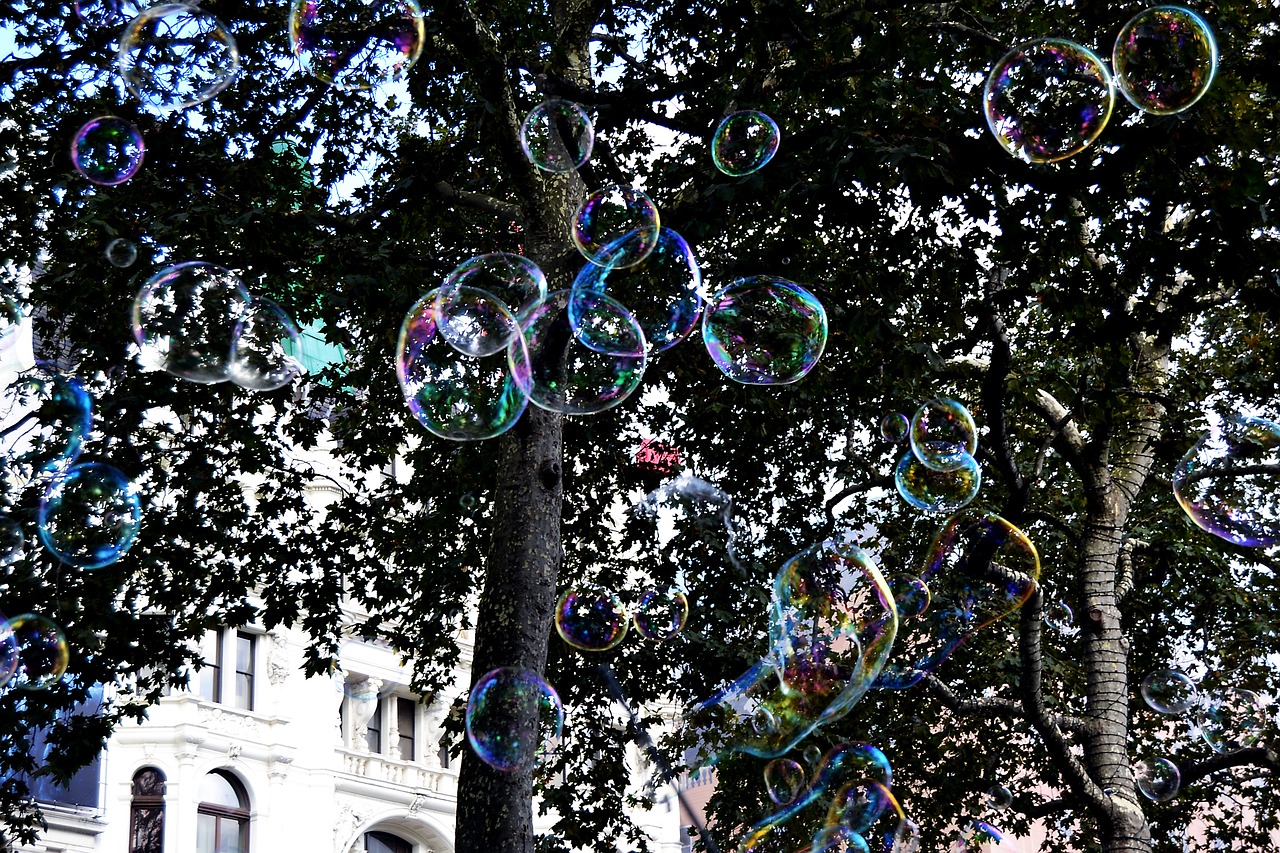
744, 142
1231, 719
90, 515
764, 330
185, 319
173, 56
474, 321
107, 150
617, 226
513, 715
933, 491
1157, 778
910, 595
261, 348
977, 835
784, 779
452, 394
1165, 59
980, 568
1228, 483
356, 44
12, 541
591, 620
121, 253
943, 434
1048, 100
557, 136
894, 427
1169, 691
661, 291
513, 280
42, 653
46, 417
838, 839
661, 614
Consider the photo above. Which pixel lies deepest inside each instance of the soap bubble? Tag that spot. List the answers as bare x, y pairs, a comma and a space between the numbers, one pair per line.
1169, 691
454, 395
839, 839
784, 779
473, 321
910, 594
976, 835
661, 291
592, 620
512, 717
616, 226
468, 501
8, 652
90, 515
859, 804
693, 499
108, 13
108, 150
999, 798
41, 651
980, 568
121, 252
763, 330
184, 320
1165, 58
1059, 617
260, 359
1157, 778
812, 755
514, 280
46, 418
764, 721
1227, 482
744, 142
936, 491
557, 136
12, 543
1048, 99
894, 427
661, 615
943, 435
584, 371
174, 56
356, 44
1230, 719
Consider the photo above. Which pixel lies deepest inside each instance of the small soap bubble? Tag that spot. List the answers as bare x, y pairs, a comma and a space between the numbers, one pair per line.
557, 136
1231, 719
894, 428
513, 716
1059, 617
784, 779
12, 541
616, 226
1165, 58
660, 615
185, 319
910, 594
1169, 691
812, 755
1157, 778
108, 13
174, 56
763, 721
999, 798
107, 150
1048, 99
468, 501
356, 44
839, 839
943, 434
763, 330
1227, 483
513, 280
261, 348
744, 142
89, 517
41, 651
592, 620
121, 252
936, 491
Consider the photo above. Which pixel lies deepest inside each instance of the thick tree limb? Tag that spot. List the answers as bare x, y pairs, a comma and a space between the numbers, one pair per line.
479, 201
1259, 757
1066, 435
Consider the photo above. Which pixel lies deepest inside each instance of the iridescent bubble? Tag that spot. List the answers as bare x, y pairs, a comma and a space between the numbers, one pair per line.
512, 717
744, 142
812, 755
46, 418
174, 56
980, 568
936, 491
943, 434
910, 594
999, 798
557, 136
12, 542
514, 280
660, 615
473, 321
8, 652
661, 291
1059, 617
859, 804
784, 779
976, 835
89, 516
107, 150
356, 44
108, 13
454, 395
1048, 99
839, 839
1231, 719
592, 620
894, 427
763, 330
121, 252
468, 502
1228, 485
42, 652
1157, 778
185, 318
583, 371
763, 721
261, 347
1169, 691
616, 226
1165, 59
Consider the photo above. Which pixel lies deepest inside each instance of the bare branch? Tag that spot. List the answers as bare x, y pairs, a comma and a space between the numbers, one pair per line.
1066, 435
479, 201
1264, 759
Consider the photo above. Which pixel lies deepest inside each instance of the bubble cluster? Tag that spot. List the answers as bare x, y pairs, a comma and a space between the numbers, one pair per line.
616, 226
108, 151
744, 142
41, 652
660, 614
1227, 483
1165, 59
934, 491
12, 541
261, 346
784, 779
90, 516
763, 330
1157, 778
1168, 691
1048, 99
592, 620
557, 136
512, 717
513, 280
1230, 719
185, 318
174, 56
121, 253
894, 428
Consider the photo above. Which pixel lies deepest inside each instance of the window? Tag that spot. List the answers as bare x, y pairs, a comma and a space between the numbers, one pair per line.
406, 720
219, 680
222, 818
385, 842
373, 734
83, 788
211, 675
244, 670
146, 821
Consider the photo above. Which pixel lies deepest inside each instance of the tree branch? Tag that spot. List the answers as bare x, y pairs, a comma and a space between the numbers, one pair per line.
479, 201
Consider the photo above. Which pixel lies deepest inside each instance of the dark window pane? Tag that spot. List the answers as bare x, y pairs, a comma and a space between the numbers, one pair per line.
244, 671
406, 720
385, 842
373, 738
211, 673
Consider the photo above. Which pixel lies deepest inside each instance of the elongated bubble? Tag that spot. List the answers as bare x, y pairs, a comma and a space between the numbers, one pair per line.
744, 142
1229, 482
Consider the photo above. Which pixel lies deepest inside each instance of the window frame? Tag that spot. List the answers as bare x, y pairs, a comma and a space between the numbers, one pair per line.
241, 816
151, 802
224, 667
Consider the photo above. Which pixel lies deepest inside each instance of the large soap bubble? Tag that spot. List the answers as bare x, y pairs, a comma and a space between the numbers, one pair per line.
1231, 719
260, 348
557, 136
512, 717
763, 330
46, 416
514, 280
980, 568
474, 321
173, 56
108, 150
42, 651
1157, 778
592, 620
936, 491
744, 142
89, 517
1229, 482
185, 319
943, 435
1048, 99
356, 44
660, 614
454, 395
1169, 691
616, 226
1165, 58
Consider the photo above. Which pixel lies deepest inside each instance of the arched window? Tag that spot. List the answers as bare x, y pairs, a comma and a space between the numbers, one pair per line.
146, 821
222, 818
385, 842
